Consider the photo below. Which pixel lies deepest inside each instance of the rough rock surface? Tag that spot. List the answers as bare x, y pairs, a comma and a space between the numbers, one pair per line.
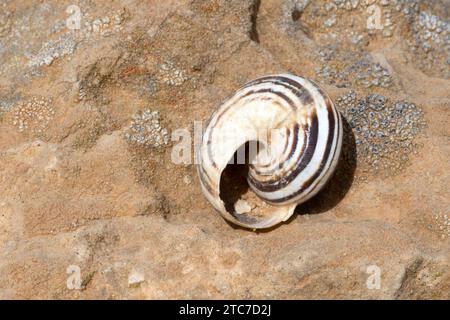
91, 205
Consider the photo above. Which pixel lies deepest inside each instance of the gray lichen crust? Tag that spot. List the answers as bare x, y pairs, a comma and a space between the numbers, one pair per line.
385, 131
146, 130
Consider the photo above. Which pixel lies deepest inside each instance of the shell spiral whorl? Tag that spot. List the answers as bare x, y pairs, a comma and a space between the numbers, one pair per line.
301, 133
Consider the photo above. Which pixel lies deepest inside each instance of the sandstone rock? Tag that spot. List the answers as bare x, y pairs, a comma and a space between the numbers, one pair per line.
82, 203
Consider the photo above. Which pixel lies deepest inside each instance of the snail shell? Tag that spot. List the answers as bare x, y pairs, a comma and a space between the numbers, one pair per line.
299, 154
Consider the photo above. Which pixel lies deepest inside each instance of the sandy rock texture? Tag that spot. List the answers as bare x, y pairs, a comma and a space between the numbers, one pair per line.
91, 205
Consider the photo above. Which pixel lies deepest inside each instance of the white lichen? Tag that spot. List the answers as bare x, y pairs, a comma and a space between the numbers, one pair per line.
145, 129
34, 115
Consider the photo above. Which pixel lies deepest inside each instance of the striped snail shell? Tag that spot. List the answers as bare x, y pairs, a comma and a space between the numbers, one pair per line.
298, 152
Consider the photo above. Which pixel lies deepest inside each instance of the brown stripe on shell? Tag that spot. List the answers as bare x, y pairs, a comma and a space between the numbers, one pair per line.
300, 91
338, 132
306, 156
286, 144
332, 121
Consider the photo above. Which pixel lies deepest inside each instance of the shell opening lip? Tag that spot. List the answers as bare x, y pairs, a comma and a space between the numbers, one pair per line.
233, 181
234, 187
